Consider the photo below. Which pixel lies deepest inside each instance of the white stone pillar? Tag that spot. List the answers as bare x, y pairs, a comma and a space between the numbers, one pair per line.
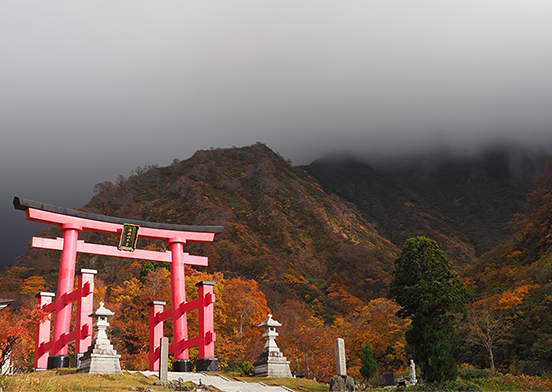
340, 358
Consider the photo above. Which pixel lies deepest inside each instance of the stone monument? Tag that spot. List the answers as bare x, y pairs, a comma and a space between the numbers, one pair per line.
163, 362
389, 379
164, 359
341, 382
412, 373
340, 358
271, 362
100, 358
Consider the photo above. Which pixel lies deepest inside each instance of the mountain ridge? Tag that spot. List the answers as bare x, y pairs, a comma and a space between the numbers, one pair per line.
463, 202
280, 227
319, 249
286, 219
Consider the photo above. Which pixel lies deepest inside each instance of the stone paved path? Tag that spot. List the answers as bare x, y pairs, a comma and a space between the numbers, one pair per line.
221, 382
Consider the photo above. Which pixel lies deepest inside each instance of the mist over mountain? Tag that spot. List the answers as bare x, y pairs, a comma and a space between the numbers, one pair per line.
464, 201
498, 161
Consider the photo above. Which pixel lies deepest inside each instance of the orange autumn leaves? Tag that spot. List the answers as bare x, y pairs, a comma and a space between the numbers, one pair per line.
17, 335
239, 307
243, 307
508, 299
305, 339
377, 324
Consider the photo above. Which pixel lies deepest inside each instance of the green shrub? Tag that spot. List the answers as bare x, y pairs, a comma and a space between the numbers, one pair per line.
512, 382
369, 365
232, 368
246, 369
472, 374
449, 386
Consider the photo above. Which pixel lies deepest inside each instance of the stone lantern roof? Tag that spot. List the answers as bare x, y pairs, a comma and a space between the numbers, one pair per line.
101, 312
270, 323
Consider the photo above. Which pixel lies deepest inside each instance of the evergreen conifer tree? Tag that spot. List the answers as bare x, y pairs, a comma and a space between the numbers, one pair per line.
429, 292
369, 365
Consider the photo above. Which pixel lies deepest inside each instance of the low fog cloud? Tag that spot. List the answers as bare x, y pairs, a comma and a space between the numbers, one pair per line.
89, 91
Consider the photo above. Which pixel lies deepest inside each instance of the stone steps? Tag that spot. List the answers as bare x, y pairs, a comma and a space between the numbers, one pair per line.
221, 382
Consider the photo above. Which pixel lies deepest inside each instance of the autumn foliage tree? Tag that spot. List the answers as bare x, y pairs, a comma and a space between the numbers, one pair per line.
378, 325
245, 307
487, 326
130, 332
130, 302
489, 322
306, 341
429, 292
17, 336
33, 285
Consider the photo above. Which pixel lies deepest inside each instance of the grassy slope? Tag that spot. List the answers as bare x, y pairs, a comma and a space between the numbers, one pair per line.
69, 380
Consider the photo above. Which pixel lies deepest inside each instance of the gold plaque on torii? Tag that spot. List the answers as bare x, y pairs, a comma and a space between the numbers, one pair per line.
129, 237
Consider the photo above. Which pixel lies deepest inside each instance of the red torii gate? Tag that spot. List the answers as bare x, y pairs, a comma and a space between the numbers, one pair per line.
71, 223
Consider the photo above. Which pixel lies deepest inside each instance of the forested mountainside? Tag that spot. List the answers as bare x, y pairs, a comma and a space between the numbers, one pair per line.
499, 236
301, 248
280, 228
527, 256
464, 203
512, 286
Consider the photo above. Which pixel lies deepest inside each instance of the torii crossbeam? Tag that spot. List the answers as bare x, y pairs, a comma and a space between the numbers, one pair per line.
71, 223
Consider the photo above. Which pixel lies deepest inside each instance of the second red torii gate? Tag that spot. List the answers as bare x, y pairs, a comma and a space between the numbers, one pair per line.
72, 222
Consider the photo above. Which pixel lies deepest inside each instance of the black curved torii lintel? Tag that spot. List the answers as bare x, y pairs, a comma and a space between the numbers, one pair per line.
23, 204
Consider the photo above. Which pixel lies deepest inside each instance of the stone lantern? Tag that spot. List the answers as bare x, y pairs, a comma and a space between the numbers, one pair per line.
271, 362
100, 358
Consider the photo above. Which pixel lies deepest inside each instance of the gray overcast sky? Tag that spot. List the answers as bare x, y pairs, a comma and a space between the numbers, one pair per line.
90, 90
